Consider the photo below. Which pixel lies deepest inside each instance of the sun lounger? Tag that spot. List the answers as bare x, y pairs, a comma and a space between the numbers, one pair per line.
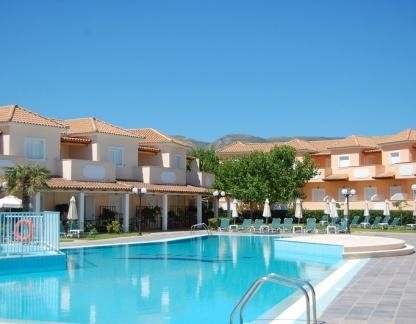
224, 224
275, 225
246, 224
311, 225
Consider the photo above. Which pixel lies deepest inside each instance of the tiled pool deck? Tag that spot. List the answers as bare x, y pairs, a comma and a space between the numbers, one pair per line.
383, 291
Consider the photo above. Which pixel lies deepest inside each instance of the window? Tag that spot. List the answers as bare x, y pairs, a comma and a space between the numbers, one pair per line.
177, 161
394, 157
318, 194
343, 161
116, 155
35, 148
369, 192
394, 190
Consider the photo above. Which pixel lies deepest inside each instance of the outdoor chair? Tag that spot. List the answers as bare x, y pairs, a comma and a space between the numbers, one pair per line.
365, 222
246, 224
256, 226
311, 225
62, 232
74, 229
275, 225
224, 224
384, 224
343, 226
376, 221
288, 224
355, 220
394, 223
324, 220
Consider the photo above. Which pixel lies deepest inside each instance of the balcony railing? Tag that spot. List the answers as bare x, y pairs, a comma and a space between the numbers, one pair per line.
200, 179
160, 175
403, 170
73, 169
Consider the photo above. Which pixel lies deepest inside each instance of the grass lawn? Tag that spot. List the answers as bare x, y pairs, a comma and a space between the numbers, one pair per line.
399, 229
99, 236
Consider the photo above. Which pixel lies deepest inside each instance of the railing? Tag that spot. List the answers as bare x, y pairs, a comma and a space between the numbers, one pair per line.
200, 226
29, 233
281, 280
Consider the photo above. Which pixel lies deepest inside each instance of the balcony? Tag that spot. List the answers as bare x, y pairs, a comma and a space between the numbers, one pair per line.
200, 179
322, 173
403, 170
12, 160
86, 170
367, 172
160, 175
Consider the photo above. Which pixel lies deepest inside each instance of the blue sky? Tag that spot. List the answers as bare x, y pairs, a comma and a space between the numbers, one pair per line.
203, 69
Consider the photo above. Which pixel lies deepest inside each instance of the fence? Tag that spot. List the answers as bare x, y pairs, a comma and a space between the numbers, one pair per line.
29, 233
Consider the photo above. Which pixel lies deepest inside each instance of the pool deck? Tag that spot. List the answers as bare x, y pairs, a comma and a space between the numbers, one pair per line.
383, 291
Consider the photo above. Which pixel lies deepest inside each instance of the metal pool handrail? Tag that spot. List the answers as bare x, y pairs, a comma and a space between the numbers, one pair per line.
197, 226
302, 285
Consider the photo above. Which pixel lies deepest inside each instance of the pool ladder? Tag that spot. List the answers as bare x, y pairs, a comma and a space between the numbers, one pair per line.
199, 226
283, 281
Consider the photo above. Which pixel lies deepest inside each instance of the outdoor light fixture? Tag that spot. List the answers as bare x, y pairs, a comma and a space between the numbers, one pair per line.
140, 192
347, 193
217, 195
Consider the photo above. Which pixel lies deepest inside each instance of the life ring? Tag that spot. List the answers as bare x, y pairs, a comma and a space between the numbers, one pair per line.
20, 237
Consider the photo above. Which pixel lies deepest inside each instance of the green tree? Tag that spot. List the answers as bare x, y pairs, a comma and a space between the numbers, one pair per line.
25, 181
208, 160
276, 175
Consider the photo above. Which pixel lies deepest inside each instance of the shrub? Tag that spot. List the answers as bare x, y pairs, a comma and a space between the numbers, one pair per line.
114, 227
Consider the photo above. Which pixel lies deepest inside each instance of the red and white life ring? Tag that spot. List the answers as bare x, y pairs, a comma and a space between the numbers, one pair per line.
26, 237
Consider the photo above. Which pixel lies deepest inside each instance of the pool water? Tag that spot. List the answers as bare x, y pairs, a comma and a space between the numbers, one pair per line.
196, 280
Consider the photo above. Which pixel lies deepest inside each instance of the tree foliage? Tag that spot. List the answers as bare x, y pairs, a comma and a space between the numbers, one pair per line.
276, 175
208, 160
25, 181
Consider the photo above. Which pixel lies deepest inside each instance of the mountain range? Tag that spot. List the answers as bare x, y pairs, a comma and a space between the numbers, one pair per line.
230, 138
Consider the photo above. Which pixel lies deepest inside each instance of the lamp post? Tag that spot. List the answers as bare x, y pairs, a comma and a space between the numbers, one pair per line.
347, 193
217, 195
140, 192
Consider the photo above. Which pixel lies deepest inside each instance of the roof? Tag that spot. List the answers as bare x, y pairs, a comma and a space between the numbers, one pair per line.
125, 186
17, 114
92, 125
384, 175
63, 184
152, 136
336, 177
408, 135
75, 140
354, 141
167, 188
148, 149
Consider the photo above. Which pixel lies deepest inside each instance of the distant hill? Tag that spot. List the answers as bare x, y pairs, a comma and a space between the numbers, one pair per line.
230, 138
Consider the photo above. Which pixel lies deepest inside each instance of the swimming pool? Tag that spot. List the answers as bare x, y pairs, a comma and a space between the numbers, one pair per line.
197, 280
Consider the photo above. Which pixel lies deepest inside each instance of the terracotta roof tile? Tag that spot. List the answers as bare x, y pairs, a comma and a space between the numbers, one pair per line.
408, 135
125, 186
76, 140
93, 125
336, 177
166, 188
354, 141
384, 175
152, 136
60, 183
17, 114
148, 149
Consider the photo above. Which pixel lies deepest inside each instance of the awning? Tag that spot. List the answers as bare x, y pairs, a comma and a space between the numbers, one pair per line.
336, 177
384, 175
148, 149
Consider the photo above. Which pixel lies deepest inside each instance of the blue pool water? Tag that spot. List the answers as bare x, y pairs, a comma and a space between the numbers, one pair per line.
196, 280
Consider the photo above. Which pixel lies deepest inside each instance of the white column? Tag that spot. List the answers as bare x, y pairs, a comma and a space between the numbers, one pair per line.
37, 202
165, 212
81, 210
126, 212
199, 209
